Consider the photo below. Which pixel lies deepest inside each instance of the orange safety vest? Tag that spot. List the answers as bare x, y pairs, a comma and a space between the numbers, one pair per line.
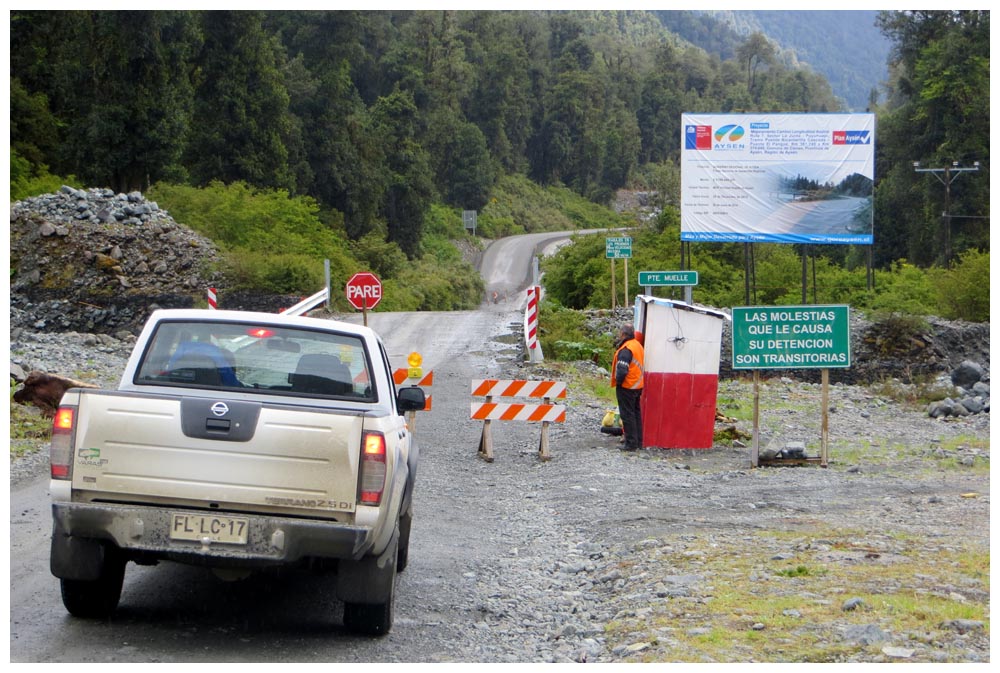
634, 378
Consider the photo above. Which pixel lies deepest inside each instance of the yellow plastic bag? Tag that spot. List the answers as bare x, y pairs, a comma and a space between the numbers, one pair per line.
611, 419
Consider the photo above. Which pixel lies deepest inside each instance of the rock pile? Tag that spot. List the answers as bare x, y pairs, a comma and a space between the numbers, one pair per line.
972, 391
96, 261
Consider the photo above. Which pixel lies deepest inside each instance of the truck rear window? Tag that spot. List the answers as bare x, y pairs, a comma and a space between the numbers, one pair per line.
249, 357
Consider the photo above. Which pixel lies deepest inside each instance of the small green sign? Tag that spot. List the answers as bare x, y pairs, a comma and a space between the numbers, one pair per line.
665, 278
791, 337
618, 247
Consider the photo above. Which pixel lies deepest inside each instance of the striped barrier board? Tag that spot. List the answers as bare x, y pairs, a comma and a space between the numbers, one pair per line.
516, 388
488, 410
493, 411
400, 376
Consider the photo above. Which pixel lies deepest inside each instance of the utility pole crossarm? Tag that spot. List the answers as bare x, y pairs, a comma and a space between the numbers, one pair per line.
951, 173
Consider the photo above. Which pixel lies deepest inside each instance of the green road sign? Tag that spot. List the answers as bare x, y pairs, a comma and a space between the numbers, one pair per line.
791, 337
618, 247
663, 278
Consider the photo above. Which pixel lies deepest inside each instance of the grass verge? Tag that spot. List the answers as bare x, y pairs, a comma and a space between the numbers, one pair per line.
751, 607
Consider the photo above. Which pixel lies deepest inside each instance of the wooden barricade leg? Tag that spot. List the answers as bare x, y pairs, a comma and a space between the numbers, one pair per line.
543, 442
486, 440
486, 443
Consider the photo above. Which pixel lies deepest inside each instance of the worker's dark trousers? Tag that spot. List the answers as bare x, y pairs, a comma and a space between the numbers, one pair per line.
628, 409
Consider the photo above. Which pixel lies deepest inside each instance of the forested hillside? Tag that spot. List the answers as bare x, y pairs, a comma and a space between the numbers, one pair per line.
846, 47
373, 114
388, 124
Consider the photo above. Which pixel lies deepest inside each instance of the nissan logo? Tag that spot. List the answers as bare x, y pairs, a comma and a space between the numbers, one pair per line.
220, 409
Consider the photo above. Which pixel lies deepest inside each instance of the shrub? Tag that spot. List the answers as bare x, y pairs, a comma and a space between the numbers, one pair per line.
281, 273
905, 289
27, 180
963, 291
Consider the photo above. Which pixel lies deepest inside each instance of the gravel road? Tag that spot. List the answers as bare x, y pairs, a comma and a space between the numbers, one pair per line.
597, 555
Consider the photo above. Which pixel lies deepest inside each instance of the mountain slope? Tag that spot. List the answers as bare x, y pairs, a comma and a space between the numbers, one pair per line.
844, 46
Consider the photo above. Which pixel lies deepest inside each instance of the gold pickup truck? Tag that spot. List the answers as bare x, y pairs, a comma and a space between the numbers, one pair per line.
238, 441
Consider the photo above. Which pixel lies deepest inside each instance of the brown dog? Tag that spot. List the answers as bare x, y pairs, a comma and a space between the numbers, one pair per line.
44, 390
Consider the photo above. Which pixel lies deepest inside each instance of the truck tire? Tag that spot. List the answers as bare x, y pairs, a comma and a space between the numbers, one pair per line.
403, 556
96, 598
372, 619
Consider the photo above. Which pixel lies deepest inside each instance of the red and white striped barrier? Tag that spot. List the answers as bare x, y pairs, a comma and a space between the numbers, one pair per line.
545, 413
213, 302
532, 333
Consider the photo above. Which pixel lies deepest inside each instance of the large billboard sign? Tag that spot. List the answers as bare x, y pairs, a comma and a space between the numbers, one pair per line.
777, 178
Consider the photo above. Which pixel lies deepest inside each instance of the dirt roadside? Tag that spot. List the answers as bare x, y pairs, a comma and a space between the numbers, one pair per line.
882, 556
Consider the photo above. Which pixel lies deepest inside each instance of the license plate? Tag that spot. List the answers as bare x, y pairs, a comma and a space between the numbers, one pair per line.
197, 527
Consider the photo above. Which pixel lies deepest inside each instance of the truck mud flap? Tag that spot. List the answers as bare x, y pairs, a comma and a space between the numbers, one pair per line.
74, 558
368, 580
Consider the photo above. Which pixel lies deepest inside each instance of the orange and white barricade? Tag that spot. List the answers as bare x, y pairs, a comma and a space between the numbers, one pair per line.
401, 376
538, 391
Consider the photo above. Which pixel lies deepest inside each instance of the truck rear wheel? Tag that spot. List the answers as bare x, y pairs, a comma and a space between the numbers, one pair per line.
96, 598
373, 619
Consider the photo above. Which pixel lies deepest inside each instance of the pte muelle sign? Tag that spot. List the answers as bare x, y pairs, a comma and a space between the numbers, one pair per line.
667, 278
791, 337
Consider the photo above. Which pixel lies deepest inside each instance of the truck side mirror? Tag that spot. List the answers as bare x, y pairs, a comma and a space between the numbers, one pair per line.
410, 398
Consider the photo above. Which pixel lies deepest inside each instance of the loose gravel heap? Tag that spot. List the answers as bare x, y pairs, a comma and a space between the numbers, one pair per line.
601, 556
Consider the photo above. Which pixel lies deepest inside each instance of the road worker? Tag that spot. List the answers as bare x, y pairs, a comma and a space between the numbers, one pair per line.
627, 379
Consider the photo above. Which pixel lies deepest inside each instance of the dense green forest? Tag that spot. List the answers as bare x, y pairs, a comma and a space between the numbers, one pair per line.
846, 47
385, 125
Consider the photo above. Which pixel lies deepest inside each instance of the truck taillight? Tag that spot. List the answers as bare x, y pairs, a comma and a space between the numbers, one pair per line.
61, 446
372, 468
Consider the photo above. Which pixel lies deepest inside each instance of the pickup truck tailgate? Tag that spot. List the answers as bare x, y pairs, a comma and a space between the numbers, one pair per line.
136, 450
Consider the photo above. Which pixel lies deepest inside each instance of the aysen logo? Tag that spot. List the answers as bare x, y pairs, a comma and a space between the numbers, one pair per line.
728, 138
852, 137
730, 132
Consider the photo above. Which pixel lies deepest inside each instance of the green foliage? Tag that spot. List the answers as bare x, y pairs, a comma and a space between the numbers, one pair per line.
281, 273
252, 225
436, 287
27, 181
799, 571
378, 116
379, 256
240, 120
563, 335
964, 289
277, 243
519, 206
905, 289
238, 215
443, 221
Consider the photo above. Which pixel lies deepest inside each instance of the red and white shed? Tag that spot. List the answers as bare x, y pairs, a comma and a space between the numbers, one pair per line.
683, 345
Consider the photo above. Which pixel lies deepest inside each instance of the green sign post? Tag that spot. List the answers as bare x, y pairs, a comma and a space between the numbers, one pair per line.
791, 337
618, 247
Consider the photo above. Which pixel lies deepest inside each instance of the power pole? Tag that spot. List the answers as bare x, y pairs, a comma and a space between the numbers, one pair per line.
950, 173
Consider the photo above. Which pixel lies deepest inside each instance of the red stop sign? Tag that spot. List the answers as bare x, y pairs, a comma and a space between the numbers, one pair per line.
364, 290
